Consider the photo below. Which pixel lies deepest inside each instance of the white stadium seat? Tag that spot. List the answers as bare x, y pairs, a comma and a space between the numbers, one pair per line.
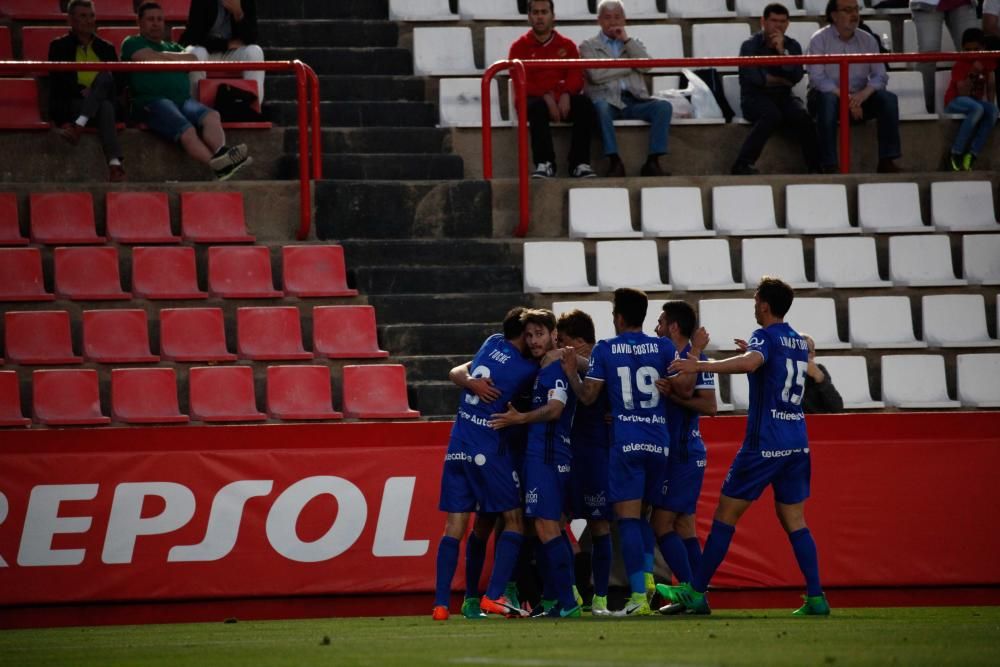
978, 383
721, 405
782, 258
420, 10
744, 210
599, 311
698, 9
890, 207
661, 41
963, 206
443, 52
653, 310
629, 264
574, 10
731, 89
600, 213
460, 103
755, 8
915, 381
818, 318
881, 322
956, 320
726, 319
847, 262
497, 41
555, 266
643, 9
674, 212
849, 375
922, 261
802, 32
908, 87
981, 258
817, 208
489, 10
701, 265
739, 391
717, 40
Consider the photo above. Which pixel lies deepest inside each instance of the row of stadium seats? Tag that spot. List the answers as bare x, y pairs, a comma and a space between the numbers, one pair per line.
44, 338
35, 39
705, 264
108, 10
89, 273
874, 322
71, 397
810, 209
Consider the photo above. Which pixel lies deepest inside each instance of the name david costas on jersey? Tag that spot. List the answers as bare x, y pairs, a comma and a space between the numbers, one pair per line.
641, 348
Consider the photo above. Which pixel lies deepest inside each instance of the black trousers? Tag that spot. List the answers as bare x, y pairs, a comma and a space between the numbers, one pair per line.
581, 116
99, 107
773, 112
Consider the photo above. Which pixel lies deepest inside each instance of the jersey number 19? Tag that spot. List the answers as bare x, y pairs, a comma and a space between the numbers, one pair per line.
645, 382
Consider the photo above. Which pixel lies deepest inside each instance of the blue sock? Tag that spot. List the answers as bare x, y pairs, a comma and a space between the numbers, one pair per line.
716, 547
447, 561
475, 556
630, 531
572, 558
676, 556
542, 560
601, 562
648, 547
804, 547
508, 548
694, 553
560, 571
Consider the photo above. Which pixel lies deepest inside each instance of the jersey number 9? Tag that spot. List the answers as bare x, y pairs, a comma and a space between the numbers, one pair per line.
478, 372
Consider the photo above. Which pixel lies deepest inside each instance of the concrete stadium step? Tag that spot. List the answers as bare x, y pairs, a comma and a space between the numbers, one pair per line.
358, 114
403, 209
435, 400
388, 167
331, 60
436, 279
326, 32
377, 140
406, 339
440, 252
346, 88
431, 367
325, 9
445, 307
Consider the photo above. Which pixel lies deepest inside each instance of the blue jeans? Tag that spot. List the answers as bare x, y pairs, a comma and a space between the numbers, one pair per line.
170, 121
882, 105
655, 112
980, 117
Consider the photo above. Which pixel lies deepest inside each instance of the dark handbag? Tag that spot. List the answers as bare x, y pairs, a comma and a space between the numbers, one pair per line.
236, 105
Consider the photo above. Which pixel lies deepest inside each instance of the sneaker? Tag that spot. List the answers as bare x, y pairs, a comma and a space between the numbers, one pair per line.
815, 605
673, 609
650, 586
577, 596
637, 605
599, 606
967, 161
228, 156
71, 133
652, 168
470, 609
955, 161
543, 608
440, 613
500, 606
544, 170
693, 601
583, 170
743, 169
116, 173
511, 593
575, 612
226, 173
616, 169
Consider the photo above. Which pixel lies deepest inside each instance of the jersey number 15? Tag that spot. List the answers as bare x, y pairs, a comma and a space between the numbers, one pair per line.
795, 375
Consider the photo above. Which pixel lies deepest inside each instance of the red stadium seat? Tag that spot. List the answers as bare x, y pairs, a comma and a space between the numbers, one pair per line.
39, 338
315, 270
116, 10
10, 401
176, 33
165, 273
139, 217
175, 10
265, 334
10, 229
63, 218
88, 274
33, 10
376, 392
66, 398
35, 40
21, 275
213, 217
346, 332
241, 273
145, 396
300, 392
223, 394
115, 34
6, 50
193, 334
116, 337
19, 106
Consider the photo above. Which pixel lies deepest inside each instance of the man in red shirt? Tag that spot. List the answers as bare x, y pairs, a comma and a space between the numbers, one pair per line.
554, 95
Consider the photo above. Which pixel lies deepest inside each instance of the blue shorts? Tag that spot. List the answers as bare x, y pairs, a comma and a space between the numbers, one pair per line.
636, 471
589, 484
170, 121
683, 485
477, 480
787, 471
546, 488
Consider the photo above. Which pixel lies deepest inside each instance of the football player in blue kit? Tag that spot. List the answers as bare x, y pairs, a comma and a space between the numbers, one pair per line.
775, 449
547, 460
688, 457
479, 473
629, 366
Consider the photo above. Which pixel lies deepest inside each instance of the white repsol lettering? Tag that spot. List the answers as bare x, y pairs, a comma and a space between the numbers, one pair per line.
390, 532
352, 511
126, 522
223, 522
42, 521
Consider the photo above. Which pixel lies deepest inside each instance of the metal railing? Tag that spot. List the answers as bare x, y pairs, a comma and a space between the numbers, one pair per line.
307, 87
520, 69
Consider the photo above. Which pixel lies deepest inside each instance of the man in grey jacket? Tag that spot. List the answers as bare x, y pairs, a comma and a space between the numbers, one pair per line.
622, 93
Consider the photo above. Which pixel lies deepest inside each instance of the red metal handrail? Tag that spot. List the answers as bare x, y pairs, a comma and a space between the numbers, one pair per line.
307, 87
520, 70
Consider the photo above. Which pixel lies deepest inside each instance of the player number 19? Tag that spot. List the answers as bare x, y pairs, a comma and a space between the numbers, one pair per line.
795, 370
645, 380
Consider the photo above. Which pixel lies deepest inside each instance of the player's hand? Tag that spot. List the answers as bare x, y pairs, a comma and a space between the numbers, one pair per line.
550, 102
501, 420
551, 356
484, 389
569, 361
700, 338
564, 106
689, 365
664, 387
741, 344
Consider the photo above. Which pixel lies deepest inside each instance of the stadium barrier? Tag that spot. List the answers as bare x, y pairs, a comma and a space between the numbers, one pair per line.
307, 87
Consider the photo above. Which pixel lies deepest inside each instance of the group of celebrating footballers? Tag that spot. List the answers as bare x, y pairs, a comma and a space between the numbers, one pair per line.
554, 425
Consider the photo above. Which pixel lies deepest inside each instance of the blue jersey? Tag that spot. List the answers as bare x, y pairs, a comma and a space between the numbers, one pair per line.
629, 365
590, 425
683, 423
500, 361
775, 420
551, 440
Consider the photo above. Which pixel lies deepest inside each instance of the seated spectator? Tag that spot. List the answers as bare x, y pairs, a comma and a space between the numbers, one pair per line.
78, 99
766, 94
970, 91
163, 99
866, 86
224, 30
929, 19
554, 95
819, 395
622, 93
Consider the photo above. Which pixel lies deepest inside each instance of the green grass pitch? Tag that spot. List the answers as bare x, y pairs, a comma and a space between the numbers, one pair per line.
935, 636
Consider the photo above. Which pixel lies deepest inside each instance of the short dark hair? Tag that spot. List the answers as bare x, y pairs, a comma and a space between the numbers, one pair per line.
73, 4
831, 7
775, 8
540, 316
681, 313
631, 304
577, 324
512, 326
777, 294
973, 35
552, 5
145, 7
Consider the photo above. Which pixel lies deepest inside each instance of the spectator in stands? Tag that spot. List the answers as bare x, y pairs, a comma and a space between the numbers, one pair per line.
554, 95
820, 395
163, 99
866, 86
991, 17
224, 30
78, 99
970, 91
929, 18
622, 93
766, 94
